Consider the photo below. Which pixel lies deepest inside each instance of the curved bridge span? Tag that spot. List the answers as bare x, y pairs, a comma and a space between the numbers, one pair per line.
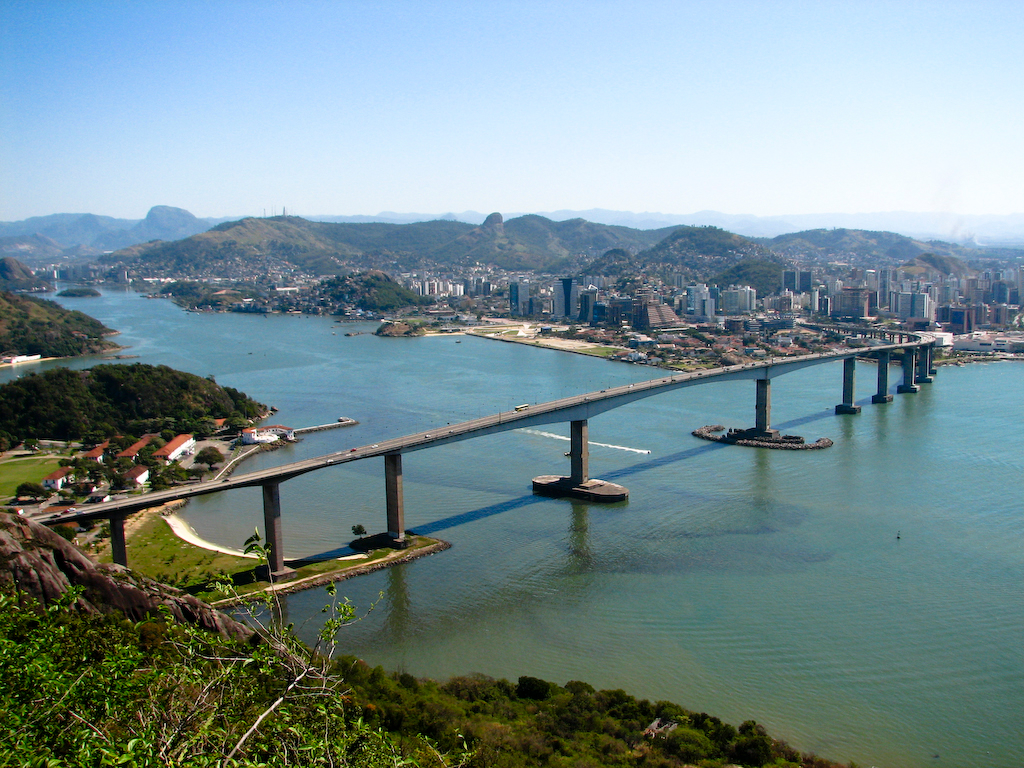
578, 409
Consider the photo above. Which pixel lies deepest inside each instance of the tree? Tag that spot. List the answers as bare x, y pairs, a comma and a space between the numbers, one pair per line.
359, 530
209, 456
32, 491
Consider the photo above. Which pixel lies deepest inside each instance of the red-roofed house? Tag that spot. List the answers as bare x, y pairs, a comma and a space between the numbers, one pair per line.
132, 451
175, 449
137, 476
96, 454
57, 478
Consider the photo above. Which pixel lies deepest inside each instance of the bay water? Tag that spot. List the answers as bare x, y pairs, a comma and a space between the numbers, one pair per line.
864, 602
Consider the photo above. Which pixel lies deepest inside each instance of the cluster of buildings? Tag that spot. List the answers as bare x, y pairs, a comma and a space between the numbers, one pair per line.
137, 475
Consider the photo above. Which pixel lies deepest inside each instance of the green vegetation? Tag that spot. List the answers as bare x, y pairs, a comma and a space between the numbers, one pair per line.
30, 326
186, 293
372, 291
155, 551
764, 276
157, 694
29, 469
526, 242
79, 292
15, 276
116, 399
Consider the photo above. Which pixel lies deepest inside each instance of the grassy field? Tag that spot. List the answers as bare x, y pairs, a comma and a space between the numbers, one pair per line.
154, 551
28, 469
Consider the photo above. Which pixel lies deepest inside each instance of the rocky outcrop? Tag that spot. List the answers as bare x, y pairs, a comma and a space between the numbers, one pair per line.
40, 563
396, 329
749, 438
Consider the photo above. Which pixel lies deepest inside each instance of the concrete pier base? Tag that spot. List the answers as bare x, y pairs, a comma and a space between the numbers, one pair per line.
886, 398
907, 389
589, 490
273, 535
849, 377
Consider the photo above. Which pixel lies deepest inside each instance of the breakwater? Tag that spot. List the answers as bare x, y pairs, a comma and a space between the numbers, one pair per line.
342, 422
783, 443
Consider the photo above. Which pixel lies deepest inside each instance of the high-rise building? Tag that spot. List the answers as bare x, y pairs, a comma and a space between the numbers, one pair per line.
852, 303
519, 298
566, 297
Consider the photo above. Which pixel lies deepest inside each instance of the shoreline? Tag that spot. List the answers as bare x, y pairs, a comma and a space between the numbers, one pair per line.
397, 557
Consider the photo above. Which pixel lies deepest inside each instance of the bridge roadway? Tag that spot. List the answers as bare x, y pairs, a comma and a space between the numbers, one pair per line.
577, 408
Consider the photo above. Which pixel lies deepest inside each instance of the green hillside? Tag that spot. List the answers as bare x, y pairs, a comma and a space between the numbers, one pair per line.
282, 243
15, 276
31, 326
115, 399
372, 291
863, 247
699, 254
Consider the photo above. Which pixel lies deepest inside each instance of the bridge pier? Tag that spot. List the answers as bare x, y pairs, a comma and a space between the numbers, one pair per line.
849, 377
578, 484
273, 534
394, 497
909, 386
118, 550
924, 365
882, 395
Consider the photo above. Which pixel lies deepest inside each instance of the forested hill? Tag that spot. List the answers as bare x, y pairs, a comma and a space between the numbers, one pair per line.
31, 326
234, 248
116, 399
15, 276
875, 249
698, 254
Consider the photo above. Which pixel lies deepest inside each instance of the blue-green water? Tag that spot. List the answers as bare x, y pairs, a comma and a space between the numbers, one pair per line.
745, 583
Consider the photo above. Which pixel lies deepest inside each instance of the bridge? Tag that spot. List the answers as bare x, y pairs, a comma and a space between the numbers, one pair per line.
577, 410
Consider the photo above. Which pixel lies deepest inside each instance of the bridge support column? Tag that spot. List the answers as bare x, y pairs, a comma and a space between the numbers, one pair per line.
882, 395
763, 410
578, 484
579, 452
394, 498
909, 366
273, 535
924, 365
932, 370
118, 550
849, 377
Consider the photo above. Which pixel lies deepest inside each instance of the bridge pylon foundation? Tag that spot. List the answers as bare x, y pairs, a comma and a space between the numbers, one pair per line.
579, 485
274, 535
849, 377
909, 385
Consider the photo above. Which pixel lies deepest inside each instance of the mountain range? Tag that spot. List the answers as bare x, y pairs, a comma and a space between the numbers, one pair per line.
74, 236
256, 247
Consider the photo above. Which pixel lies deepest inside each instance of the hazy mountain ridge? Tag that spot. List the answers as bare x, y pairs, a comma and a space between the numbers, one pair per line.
868, 247
77, 235
530, 242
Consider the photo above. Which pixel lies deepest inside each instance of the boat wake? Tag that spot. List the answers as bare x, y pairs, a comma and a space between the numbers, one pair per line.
553, 436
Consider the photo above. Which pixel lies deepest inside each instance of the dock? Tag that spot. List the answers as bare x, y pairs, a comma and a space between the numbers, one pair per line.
342, 422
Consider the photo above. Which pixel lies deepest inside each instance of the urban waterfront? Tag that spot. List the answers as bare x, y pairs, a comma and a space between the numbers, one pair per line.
745, 583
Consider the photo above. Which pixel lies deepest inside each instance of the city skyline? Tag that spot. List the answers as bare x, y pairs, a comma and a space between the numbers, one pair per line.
231, 108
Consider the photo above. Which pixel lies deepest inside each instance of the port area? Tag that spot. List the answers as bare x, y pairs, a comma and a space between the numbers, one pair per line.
600, 491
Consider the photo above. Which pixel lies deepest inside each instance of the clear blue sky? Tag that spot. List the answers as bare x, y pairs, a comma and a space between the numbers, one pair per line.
229, 108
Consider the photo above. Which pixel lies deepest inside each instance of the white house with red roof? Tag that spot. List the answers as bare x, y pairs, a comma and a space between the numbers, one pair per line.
58, 478
137, 476
175, 449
